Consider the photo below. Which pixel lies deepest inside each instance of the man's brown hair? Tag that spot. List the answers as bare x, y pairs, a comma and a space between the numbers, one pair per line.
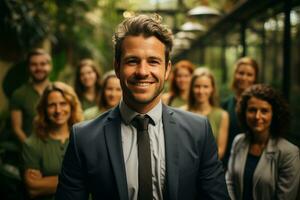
142, 25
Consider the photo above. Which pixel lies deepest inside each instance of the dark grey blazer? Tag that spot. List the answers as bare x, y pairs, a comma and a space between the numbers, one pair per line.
94, 161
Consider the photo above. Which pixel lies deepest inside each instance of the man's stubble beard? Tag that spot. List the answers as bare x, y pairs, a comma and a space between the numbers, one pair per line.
37, 81
145, 102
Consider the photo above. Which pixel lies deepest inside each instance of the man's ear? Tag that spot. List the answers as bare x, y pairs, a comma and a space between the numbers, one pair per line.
117, 68
168, 70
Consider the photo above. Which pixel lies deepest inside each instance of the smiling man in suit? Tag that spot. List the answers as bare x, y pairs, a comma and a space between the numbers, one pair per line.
142, 149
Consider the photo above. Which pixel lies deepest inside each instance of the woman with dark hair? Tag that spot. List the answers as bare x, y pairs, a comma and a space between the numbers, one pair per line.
262, 164
245, 75
203, 100
179, 84
57, 110
110, 96
87, 83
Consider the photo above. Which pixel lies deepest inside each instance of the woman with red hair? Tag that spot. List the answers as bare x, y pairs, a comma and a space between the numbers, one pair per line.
179, 84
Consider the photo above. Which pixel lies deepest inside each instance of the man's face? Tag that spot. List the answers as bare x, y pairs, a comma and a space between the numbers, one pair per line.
39, 68
142, 71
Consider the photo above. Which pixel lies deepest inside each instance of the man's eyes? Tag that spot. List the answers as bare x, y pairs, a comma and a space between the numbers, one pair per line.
135, 62
154, 62
41, 63
131, 61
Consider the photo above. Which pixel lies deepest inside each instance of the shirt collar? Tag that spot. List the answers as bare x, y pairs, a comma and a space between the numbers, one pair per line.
128, 114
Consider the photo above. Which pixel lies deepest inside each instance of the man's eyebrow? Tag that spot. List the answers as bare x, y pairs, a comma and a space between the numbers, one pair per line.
130, 57
156, 58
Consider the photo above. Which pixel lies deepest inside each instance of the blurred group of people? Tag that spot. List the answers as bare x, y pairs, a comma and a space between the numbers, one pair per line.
248, 127
42, 113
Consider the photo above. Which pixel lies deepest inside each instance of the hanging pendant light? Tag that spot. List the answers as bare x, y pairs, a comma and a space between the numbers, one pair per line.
203, 11
192, 26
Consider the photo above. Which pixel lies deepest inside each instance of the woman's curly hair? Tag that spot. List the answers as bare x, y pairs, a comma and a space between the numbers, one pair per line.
281, 114
42, 123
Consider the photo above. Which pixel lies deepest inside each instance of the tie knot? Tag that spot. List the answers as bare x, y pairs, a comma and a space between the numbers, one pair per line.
141, 122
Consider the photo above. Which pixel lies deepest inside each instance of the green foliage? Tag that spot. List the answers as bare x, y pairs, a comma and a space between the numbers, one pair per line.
75, 28
13, 80
58, 61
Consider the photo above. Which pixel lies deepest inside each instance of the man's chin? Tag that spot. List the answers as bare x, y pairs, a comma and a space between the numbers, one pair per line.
141, 100
39, 80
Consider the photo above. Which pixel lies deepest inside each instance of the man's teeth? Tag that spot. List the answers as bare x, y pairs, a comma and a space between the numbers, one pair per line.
142, 84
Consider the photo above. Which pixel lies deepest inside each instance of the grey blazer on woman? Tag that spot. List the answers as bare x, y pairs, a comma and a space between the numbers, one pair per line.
277, 173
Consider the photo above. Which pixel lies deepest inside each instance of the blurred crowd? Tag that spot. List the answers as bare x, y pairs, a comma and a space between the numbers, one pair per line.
249, 127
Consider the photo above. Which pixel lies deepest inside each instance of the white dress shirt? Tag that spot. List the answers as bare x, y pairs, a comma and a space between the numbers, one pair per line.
130, 150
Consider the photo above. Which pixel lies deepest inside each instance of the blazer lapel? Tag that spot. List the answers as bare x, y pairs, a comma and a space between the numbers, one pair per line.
114, 145
172, 155
241, 157
266, 158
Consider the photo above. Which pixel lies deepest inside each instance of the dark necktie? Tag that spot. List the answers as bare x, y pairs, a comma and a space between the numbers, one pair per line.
144, 157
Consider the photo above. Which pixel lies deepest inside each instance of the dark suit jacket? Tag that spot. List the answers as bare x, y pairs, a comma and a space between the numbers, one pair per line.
94, 161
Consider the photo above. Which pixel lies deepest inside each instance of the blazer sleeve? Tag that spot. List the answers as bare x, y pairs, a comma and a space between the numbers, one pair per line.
229, 173
288, 175
72, 184
211, 176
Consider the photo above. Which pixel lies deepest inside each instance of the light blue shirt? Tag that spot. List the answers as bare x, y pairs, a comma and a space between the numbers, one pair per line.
130, 150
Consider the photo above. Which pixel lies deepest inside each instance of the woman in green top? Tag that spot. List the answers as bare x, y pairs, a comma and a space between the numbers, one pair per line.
110, 96
57, 110
202, 100
87, 83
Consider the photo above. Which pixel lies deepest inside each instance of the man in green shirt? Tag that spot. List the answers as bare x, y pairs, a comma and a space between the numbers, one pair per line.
24, 99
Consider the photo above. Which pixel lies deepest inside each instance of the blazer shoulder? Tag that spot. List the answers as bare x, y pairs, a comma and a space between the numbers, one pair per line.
181, 114
286, 147
91, 127
240, 137
187, 123
239, 140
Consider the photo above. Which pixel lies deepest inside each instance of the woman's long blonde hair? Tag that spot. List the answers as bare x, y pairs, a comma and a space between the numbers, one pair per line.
42, 123
213, 99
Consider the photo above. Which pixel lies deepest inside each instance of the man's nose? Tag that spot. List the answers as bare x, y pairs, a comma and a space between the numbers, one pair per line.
142, 69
